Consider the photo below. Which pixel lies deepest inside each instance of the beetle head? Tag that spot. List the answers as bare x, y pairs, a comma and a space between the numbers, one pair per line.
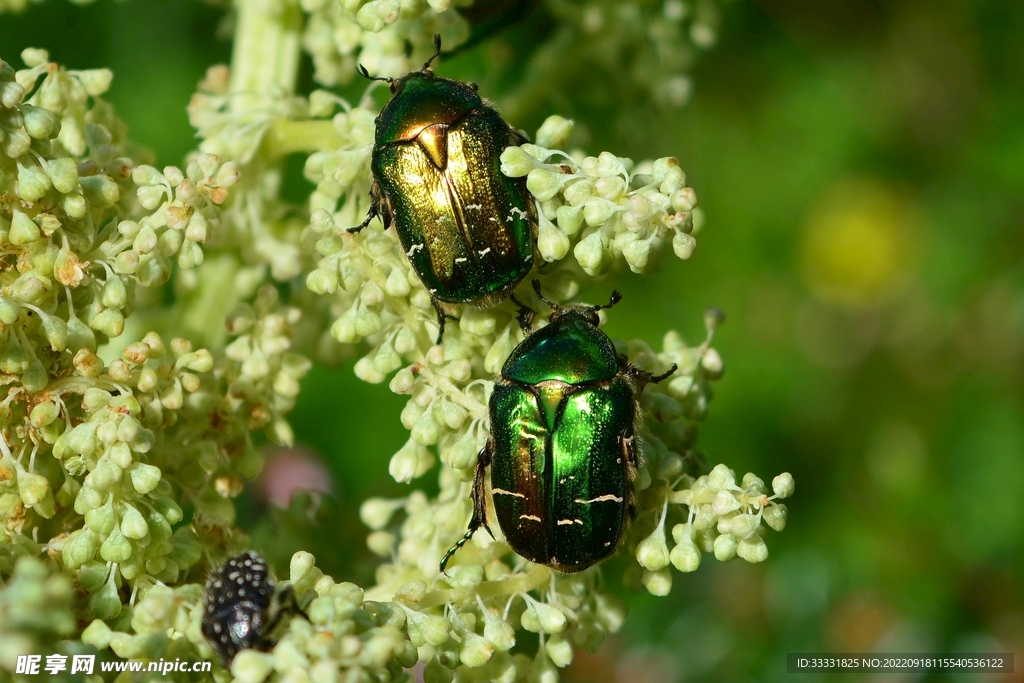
588, 313
392, 82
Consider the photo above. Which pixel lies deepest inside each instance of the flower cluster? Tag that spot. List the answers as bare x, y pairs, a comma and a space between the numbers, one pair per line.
602, 203
121, 449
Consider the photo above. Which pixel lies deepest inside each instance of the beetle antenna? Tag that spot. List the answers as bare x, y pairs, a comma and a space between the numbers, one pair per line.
552, 304
616, 298
361, 70
437, 51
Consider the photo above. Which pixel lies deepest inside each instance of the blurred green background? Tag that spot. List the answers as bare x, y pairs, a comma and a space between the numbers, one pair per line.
861, 167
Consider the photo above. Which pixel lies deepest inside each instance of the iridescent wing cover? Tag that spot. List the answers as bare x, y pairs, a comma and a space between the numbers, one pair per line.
560, 470
466, 228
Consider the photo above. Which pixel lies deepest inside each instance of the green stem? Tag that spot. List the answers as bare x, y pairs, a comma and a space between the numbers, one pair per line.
287, 136
265, 58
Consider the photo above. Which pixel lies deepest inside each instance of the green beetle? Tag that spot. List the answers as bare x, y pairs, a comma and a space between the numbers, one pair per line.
468, 231
562, 450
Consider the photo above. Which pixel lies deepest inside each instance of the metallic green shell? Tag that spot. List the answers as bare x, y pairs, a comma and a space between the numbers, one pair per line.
561, 469
466, 228
420, 100
568, 350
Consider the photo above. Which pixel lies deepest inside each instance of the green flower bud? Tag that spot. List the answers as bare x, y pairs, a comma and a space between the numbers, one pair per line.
657, 583
23, 229
33, 488
109, 321
475, 651
542, 671
116, 548
114, 294
63, 173
44, 413
427, 628
74, 205
97, 634
100, 190
101, 520
33, 184
35, 378
133, 525
8, 311
55, 330
169, 509
435, 672
79, 548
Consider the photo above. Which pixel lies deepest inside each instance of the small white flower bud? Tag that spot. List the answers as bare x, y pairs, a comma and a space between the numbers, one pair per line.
752, 549
712, 363
545, 184
725, 547
560, 651
589, 253
569, 219
380, 543
652, 552
783, 485
376, 513
554, 132
683, 245
552, 242
685, 556
775, 516
515, 162
411, 461
657, 583
250, 666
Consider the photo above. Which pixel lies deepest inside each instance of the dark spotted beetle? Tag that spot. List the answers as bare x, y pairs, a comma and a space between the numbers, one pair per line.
242, 608
562, 451
467, 230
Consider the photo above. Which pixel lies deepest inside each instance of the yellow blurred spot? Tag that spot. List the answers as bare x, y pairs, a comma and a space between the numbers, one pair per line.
857, 246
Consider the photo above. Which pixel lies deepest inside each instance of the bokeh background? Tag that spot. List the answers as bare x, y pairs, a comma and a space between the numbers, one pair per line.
860, 164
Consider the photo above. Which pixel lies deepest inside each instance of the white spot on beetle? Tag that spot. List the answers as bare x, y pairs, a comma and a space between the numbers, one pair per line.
503, 492
601, 499
532, 518
413, 249
461, 260
474, 207
485, 252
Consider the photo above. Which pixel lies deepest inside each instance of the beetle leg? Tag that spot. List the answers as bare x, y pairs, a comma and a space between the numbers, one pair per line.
283, 604
524, 316
479, 497
627, 444
376, 205
441, 315
643, 378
